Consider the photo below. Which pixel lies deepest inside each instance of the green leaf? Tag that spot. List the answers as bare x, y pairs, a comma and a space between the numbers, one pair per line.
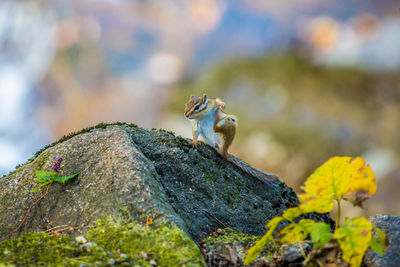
41, 185
44, 176
63, 179
57, 178
378, 241
354, 238
320, 234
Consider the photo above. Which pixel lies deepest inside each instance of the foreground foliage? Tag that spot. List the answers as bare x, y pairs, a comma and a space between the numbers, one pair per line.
111, 241
340, 178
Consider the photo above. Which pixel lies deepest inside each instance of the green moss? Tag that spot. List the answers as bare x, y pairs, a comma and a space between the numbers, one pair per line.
169, 138
38, 248
111, 241
229, 236
208, 177
166, 131
182, 142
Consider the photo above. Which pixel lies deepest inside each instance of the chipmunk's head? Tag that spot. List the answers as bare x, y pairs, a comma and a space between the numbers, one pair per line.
196, 107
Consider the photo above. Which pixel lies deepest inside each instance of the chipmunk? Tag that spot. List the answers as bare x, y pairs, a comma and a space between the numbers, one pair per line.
218, 130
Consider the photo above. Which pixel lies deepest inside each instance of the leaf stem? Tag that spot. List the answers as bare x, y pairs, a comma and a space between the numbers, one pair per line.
338, 214
302, 251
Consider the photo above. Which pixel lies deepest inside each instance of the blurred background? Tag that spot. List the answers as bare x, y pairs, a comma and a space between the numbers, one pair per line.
307, 79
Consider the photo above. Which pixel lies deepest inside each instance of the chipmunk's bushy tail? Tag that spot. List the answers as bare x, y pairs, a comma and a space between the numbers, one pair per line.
260, 175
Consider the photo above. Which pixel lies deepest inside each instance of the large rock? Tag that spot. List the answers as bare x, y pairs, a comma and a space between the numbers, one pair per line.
390, 224
124, 167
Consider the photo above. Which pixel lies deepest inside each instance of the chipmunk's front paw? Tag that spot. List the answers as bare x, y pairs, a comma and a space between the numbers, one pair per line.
220, 103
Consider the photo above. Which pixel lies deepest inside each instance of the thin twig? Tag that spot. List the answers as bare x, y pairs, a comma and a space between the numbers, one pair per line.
55, 231
27, 214
206, 211
57, 228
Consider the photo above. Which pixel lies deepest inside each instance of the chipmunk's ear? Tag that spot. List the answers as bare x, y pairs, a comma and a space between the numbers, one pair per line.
192, 97
204, 98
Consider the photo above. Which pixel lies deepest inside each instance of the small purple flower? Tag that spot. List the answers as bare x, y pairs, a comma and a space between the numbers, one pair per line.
56, 164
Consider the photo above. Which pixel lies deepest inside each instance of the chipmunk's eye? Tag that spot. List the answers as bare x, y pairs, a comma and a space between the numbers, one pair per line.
196, 107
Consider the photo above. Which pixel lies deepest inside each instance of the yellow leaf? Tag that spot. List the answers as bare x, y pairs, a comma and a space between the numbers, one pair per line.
354, 238
274, 222
335, 178
292, 213
362, 179
255, 250
296, 232
321, 204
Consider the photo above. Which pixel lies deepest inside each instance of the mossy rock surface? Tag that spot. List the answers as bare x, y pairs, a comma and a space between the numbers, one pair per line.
110, 242
125, 167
